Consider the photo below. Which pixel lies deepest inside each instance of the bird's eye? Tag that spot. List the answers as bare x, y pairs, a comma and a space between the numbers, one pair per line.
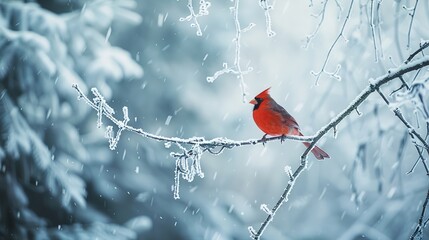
259, 100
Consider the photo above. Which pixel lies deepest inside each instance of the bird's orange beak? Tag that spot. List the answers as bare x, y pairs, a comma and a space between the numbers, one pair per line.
253, 101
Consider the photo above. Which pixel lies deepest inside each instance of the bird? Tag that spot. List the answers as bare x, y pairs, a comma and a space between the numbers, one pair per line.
274, 120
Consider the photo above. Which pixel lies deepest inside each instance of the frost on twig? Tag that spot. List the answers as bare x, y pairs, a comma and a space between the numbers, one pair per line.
321, 16
412, 13
101, 106
418, 141
114, 139
333, 74
188, 164
267, 8
203, 11
375, 28
236, 67
265, 208
288, 170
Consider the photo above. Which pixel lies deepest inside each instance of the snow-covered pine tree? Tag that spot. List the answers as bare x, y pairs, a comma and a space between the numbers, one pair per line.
44, 166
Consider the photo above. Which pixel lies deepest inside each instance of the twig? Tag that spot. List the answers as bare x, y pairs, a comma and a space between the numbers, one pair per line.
422, 47
396, 29
236, 68
365, 93
323, 70
399, 160
420, 225
267, 8
340, 8
375, 29
420, 153
321, 16
403, 81
380, 43
411, 131
398, 114
203, 11
411, 24
372, 25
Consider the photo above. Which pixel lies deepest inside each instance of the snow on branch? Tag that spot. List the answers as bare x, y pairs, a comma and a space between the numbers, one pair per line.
373, 86
191, 149
203, 11
267, 8
236, 67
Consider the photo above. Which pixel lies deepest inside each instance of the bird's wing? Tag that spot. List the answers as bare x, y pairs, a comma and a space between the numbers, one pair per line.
287, 119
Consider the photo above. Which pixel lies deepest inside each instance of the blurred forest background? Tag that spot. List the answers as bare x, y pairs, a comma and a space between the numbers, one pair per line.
59, 180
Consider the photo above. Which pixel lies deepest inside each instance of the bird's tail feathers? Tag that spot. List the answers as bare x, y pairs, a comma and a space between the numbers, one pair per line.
318, 152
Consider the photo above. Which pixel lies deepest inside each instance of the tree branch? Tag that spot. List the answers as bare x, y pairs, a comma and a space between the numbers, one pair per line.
236, 68
199, 144
412, 132
411, 23
187, 159
323, 70
203, 11
321, 16
214, 142
371, 88
422, 47
420, 225
267, 8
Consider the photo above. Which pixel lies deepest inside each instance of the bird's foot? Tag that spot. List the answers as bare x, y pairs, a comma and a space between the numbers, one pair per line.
264, 139
282, 138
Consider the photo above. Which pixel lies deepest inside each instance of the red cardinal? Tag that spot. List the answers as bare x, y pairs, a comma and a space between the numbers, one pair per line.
274, 120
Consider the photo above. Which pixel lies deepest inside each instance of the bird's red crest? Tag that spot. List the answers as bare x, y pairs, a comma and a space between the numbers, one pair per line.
264, 93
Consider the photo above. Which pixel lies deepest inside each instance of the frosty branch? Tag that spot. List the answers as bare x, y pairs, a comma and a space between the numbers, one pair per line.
236, 67
193, 17
375, 29
333, 74
412, 13
373, 86
421, 224
187, 159
321, 16
412, 132
267, 8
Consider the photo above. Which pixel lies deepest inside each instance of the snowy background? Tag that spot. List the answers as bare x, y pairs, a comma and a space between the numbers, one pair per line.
60, 180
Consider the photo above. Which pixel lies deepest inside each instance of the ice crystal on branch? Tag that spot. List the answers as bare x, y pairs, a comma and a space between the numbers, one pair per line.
188, 164
265, 208
203, 11
267, 8
252, 232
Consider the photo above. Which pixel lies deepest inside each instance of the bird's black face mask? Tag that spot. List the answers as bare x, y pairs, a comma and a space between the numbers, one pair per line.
258, 103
